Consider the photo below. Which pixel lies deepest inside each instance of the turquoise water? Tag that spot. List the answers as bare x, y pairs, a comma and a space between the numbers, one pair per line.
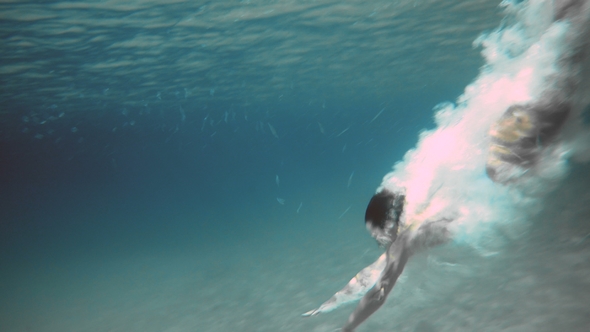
205, 166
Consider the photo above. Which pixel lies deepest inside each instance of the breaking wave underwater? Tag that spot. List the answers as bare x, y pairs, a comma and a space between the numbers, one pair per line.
539, 56
495, 157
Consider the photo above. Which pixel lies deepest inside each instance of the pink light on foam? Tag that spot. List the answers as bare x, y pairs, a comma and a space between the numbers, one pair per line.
521, 90
436, 150
512, 90
440, 146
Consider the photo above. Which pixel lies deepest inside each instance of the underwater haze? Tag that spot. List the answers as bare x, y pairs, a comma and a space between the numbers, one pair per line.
205, 165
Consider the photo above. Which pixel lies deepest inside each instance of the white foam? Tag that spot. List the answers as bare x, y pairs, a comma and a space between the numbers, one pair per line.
446, 170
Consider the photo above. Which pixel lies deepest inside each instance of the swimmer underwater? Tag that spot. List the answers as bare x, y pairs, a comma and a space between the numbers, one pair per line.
529, 130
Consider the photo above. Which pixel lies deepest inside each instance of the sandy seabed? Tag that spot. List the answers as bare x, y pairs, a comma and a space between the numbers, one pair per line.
539, 281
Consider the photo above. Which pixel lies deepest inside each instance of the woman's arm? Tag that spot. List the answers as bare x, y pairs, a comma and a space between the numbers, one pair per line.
355, 289
397, 257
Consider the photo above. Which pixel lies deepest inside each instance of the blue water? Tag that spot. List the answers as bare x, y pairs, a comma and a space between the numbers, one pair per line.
205, 166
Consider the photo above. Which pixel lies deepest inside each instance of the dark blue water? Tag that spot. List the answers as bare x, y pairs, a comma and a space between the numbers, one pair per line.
96, 157
205, 166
